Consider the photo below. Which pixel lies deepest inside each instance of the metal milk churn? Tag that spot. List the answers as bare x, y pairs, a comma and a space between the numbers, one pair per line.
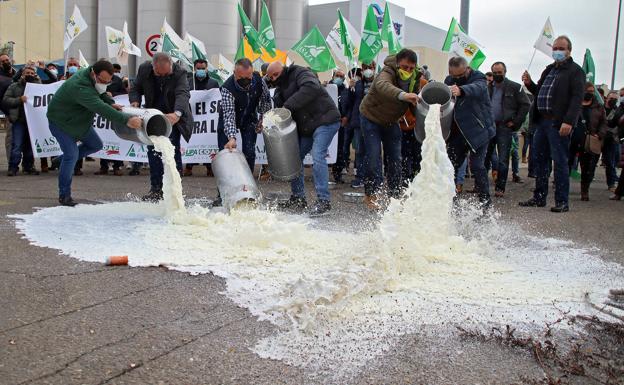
434, 93
234, 178
154, 123
281, 143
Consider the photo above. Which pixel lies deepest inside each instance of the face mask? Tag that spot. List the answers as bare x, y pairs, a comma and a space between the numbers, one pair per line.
117, 75
588, 96
459, 81
244, 82
6, 66
499, 78
72, 69
612, 103
53, 71
338, 81
201, 74
405, 75
101, 88
559, 56
368, 73
29, 78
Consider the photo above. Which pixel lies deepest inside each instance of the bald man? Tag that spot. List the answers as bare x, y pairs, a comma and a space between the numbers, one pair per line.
299, 90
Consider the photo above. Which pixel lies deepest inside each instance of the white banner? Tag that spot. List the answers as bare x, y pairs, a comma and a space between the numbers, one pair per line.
201, 148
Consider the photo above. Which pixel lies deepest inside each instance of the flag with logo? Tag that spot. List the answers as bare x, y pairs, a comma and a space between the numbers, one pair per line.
120, 44
458, 43
198, 49
314, 50
173, 44
371, 42
75, 26
127, 45
388, 34
266, 34
249, 31
81, 59
225, 67
335, 41
546, 38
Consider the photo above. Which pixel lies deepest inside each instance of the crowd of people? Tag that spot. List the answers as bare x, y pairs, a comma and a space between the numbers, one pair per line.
555, 125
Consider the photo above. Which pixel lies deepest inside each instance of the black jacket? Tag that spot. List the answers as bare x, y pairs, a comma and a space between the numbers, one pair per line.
567, 91
516, 104
116, 87
176, 90
206, 83
300, 91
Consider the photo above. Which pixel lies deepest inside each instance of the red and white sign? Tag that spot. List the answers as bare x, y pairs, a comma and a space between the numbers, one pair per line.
152, 44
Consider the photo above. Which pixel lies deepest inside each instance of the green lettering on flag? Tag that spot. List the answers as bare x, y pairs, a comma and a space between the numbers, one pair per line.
266, 33
346, 41
371, 42
388, 33
314, 50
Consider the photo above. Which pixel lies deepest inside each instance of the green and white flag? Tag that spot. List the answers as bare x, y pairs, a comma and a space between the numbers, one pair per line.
76, 24
120, 44
590, 73
172, 44
198, 49
546, 38
335, 41
314, 50
371, 42
458, 43
388, 33
249, 31
81, 59
225, 68
240, 51
266, 33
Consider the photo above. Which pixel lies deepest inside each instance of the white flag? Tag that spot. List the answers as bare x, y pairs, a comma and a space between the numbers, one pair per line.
335, 44
225, 68
120, 44
75, 26
545, 40
127, 45
81, 59
193, 44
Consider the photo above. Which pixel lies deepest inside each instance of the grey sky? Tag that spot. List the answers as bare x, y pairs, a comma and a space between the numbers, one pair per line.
508, 29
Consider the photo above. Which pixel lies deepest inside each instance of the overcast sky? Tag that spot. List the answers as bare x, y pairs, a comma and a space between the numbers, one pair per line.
508, 28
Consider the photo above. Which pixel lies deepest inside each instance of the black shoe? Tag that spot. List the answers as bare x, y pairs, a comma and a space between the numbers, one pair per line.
294, 204
217, 202
517, 179
31, 171
532, 203
134, 172
67, 201
321, 207
153, 196
560, 208
11, 172
55, 164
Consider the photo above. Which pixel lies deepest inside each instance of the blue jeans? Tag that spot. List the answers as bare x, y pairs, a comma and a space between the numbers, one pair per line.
374, 137
157, 169
549, 147
461, 172
515, 156
20, 143
249, 137
318, 145
611, 155
72, 151
458, 149
503, 148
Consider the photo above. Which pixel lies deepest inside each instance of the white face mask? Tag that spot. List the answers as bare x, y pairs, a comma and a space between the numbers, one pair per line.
118, 74
368, 73
621, 99
54, 71
101, 88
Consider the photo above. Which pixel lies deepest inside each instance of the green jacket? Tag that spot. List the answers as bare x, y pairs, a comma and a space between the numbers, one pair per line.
75, 104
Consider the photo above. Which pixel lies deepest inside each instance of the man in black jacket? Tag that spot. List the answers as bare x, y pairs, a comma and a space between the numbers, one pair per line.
165, 87
509, 108
299, 90
556, 108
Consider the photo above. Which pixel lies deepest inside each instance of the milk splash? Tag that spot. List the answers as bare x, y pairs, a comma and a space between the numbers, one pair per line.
341, 299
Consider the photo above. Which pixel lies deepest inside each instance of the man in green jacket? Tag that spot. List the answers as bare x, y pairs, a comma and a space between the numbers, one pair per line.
71, 113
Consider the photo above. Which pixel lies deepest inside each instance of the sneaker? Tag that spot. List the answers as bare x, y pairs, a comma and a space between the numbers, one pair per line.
357, 183
532, 203
102, 171
560, 208
117, 172
320, 208
11, 172
294, 203
153, 196
67, 201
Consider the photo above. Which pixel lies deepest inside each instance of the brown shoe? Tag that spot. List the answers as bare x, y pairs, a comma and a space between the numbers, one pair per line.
102, 171
499, 194
264, 174
459, 188
372, 202
117, 172
187, 172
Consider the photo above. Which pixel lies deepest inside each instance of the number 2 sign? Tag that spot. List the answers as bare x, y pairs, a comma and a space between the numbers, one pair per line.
152, 44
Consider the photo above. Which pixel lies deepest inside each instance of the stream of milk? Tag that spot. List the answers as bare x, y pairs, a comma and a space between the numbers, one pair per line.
341, 298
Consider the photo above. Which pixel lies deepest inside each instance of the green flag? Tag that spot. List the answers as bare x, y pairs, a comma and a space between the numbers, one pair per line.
371, 38
314, 50
590, 73
170, 48
240, 52
388, 34
267, 35
250, 31
458, 43
197, 53
346, 41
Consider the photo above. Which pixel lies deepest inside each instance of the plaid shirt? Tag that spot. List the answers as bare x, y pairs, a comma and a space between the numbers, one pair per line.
228, 107
544, 97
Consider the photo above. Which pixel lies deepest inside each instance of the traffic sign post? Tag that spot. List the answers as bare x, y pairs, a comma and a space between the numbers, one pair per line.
152, 44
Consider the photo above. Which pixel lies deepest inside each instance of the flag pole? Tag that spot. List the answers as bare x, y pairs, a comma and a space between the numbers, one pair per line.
532, 57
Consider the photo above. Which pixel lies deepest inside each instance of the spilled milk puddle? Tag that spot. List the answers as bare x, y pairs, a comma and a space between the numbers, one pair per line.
339, 299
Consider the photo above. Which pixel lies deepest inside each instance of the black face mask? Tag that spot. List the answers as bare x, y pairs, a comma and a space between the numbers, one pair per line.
6, 66
499, 78
588, 96
29, 79
459, 81
244, 82
612, 103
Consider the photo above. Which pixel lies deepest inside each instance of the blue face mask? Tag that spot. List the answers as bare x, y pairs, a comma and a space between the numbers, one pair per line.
72, 69
201, 74
338, 81
559, 56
